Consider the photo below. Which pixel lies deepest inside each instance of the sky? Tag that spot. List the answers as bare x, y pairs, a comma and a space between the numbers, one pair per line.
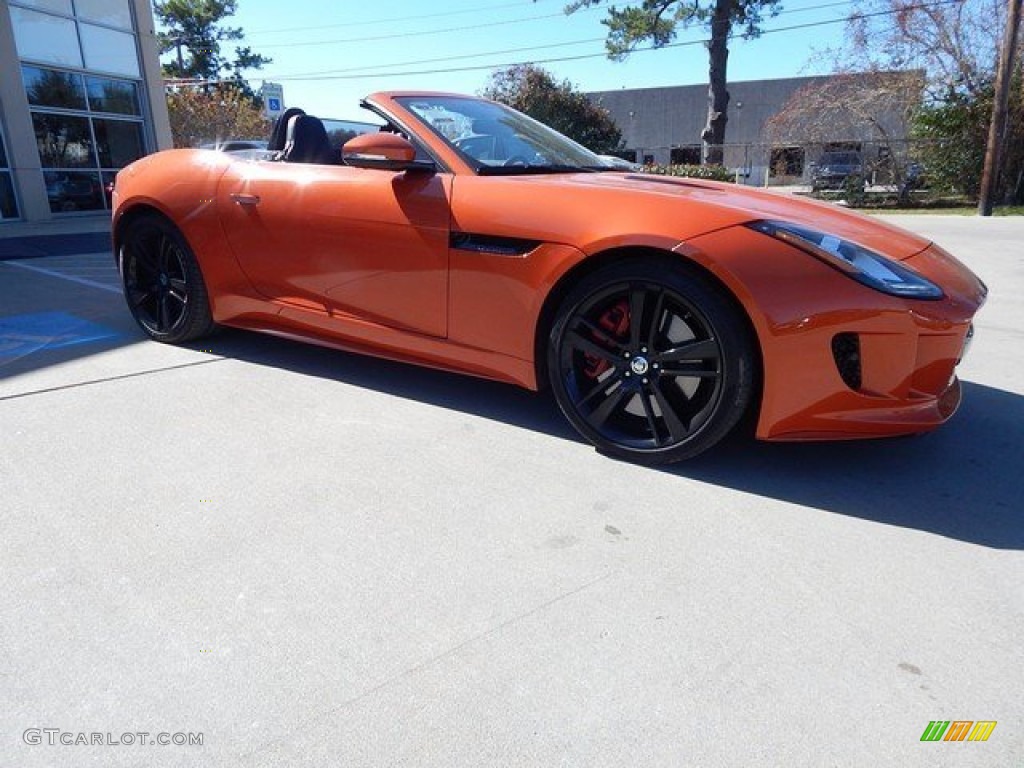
328, 55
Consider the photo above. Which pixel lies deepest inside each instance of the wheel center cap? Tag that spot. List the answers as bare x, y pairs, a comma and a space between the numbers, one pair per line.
163, 280
639, 365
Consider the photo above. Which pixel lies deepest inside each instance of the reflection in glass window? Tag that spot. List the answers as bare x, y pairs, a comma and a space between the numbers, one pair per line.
3, 154
113, 12
108, 50
57, 6
118, 142
108, 178
63, 141
52, 88
107, 95
8, 205
42, 37
73, 191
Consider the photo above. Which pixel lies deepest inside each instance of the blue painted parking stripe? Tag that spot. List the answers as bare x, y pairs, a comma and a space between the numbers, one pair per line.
22, 335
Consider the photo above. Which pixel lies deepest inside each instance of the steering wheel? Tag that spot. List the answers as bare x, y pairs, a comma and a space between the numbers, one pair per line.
516, 160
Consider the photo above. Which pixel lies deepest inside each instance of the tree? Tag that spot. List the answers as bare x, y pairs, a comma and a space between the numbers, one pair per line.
957, 44
199, 117
951, 136
193, 31
534, 91
658, 20
862, 106
875, 108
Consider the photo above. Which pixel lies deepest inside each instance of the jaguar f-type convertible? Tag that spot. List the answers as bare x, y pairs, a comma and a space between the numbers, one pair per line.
461, 234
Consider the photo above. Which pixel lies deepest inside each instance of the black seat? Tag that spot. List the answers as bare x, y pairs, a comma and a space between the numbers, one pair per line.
279, 135
307, 142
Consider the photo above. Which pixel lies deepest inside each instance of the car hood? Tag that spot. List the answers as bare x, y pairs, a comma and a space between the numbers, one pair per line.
715, 205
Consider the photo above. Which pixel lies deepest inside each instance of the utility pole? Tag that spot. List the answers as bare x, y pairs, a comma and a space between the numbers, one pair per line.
1000, 109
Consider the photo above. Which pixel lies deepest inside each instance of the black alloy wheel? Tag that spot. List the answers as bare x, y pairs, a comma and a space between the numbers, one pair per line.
650, 362
163, 285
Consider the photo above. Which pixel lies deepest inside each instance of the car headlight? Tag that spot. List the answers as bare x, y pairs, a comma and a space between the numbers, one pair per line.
855, 261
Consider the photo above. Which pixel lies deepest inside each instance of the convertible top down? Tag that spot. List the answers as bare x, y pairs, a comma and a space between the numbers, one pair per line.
466, 236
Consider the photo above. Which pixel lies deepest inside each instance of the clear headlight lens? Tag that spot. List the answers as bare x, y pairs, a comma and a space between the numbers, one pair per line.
864, 266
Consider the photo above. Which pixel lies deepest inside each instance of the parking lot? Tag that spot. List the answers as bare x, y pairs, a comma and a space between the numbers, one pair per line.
314, 558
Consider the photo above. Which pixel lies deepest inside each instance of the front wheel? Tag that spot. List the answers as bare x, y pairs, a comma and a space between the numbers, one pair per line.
163, 284
650, 362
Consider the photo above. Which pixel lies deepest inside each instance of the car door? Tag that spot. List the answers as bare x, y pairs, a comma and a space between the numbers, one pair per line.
357, 244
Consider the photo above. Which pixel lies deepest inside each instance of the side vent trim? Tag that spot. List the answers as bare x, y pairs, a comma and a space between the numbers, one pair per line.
495, 245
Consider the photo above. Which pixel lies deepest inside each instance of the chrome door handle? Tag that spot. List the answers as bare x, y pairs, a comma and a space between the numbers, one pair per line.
242, 199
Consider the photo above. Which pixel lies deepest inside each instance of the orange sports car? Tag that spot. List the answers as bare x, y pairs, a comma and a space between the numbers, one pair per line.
463, 235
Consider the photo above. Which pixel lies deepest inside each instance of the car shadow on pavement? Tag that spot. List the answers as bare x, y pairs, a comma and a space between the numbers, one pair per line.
961, 481
492, 400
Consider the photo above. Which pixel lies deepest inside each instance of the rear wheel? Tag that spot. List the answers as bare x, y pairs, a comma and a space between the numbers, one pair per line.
650, 362
163, 285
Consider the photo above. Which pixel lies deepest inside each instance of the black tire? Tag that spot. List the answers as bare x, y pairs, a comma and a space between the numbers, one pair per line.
163, 284
661, 390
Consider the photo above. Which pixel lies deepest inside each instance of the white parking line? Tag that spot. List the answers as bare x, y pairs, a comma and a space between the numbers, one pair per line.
62, 276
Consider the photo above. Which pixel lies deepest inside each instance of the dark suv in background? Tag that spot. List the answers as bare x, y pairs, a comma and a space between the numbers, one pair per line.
834, 169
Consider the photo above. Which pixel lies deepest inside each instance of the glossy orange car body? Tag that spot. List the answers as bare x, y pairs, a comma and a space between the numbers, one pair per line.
371, 260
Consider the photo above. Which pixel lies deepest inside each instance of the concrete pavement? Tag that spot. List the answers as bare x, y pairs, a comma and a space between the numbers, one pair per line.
313, 558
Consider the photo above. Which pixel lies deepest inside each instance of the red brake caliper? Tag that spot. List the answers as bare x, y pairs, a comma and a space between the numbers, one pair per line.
614, 320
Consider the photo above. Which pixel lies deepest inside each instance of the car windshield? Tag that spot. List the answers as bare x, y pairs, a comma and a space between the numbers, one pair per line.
496, 139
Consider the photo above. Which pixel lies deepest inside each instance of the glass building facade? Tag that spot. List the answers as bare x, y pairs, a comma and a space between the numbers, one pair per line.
8, 203
81, 106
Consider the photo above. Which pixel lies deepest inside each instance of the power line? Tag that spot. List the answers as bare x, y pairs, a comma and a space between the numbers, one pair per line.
549, 46
447, 58
421, 33
371, 22
581, 57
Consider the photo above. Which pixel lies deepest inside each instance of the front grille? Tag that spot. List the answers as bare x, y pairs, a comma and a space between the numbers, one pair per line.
846, 353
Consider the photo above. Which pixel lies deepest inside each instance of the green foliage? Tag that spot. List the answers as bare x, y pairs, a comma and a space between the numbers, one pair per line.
953, 134
535, 92
198, 117
192, 33
658, 20
712, 172
853, 189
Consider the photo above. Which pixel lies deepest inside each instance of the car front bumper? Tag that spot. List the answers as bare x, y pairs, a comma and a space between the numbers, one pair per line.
841, 360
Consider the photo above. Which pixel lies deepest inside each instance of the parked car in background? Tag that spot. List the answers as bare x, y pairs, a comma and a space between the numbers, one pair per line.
835, 169
235, 145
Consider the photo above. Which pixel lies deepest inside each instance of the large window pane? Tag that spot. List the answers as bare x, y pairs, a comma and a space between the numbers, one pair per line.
107, 50
107, 95
52, 88
118, 142
63, 141
42, 37
8, 205
57, 6
113, 12
73, 191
